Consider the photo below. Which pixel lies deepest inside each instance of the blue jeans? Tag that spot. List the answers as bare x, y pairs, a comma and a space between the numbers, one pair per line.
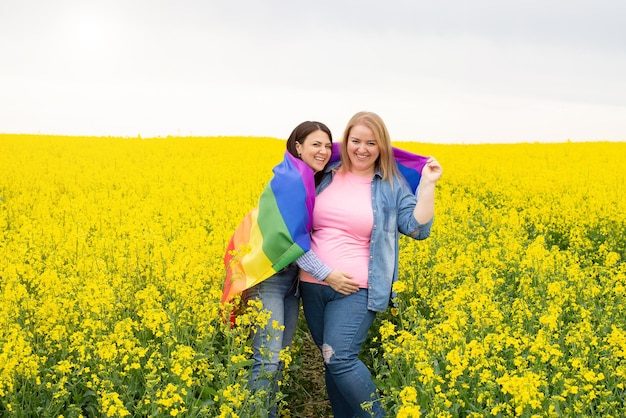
280, 296
339, 326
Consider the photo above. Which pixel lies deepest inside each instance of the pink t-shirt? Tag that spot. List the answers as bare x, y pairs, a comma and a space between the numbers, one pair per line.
342, 226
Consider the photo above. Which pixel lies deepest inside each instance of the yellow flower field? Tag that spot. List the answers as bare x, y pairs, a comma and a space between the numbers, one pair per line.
111, 272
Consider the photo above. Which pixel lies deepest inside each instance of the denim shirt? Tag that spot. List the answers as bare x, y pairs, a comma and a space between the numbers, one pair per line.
393, 214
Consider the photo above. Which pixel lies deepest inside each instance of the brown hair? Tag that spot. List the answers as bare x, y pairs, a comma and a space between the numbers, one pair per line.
303, 130
299, 134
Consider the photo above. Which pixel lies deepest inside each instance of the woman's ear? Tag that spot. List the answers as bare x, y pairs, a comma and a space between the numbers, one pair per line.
299, 149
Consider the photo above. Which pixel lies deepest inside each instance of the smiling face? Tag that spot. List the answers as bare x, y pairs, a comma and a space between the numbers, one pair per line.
363, 150
315, 150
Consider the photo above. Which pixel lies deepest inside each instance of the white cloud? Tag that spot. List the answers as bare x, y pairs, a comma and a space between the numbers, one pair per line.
439, 71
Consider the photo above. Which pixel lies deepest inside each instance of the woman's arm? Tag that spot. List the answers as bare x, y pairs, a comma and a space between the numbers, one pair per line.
425, 207
310, 263
339, 281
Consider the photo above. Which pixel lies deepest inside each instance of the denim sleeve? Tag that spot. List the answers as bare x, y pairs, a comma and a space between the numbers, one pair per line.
423, 230
310, 263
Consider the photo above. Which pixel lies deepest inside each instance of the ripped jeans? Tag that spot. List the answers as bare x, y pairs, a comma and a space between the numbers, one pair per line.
339, 325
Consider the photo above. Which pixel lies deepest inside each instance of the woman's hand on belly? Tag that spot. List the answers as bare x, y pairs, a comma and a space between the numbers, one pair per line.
341, 282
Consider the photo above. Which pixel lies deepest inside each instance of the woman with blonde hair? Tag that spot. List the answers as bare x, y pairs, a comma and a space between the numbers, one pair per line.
363, 203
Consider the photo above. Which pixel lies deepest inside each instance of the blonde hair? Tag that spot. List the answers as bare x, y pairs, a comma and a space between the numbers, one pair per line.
386, 162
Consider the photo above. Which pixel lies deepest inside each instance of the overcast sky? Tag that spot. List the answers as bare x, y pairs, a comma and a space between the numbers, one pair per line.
437, 71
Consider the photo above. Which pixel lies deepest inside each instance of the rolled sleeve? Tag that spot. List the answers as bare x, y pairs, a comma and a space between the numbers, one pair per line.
421, 231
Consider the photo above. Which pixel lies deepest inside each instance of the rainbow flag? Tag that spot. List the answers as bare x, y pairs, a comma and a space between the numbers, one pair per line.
276, 233
410, 166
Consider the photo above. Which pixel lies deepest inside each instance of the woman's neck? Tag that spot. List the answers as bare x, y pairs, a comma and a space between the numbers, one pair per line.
360, 173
